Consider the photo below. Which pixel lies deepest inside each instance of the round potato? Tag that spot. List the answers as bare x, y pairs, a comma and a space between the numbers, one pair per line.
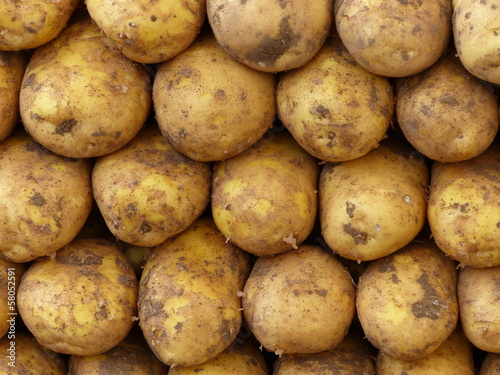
394, 38
189, 307
490, 364
12, 67
271, 36
264, 200
209, 106
464, 208
10, 277
149, 31
346, 111
30, 24
479, 301
81, 97
148, 191
45, 198
300, 301
81, 301
446, 113
407, 303
372, 206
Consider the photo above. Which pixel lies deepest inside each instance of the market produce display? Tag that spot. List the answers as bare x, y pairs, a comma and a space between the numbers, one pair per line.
261, 187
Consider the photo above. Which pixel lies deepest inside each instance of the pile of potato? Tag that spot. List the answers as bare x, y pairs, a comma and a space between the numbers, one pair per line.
250, 187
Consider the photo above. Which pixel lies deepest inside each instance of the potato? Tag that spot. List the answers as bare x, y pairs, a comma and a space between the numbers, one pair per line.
30, 24
209, 106
372, 206
351, 357
464, 209
10, 277
45, 199
300, 301
453, 357
12, 66
189, 307
242, 357
475, 31
148, 191
149, 31
394, 38
446, 113
479, 301
406, 301
81, 97
81, 301
490, 364
264, 199
346, 111
271, 36
24, 355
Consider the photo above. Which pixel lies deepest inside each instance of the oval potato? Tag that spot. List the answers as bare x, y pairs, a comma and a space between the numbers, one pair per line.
490, 364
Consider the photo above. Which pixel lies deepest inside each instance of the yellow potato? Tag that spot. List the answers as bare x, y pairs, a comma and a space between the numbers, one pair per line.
346, 110
148, 191
149, 31
45, 199
189, 307
10, 277
28, 24
81, 97
464, 209
407, 301
81, 301
490, 364
300, 301
371, 206
209, 106
264, 199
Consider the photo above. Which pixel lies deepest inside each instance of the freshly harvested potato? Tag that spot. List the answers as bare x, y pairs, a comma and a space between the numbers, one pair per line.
475, 31
464, 209
394, 38
10, 278
242, 357
149, 31
271, 36
209, 106
347, 110
446, 113
30, 24
148, 191
81, 97
24, 355
407, 303
372, 206
264, 200
479, 301
189, 307
12, 66
300, 301
80, 301
351, 357
45, 199
453, 357
490, 364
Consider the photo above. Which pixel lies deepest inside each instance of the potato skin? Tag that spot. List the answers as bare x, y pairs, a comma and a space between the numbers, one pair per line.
490, 365
479, 306
81, 97
45, 198
209, 106
271, 36
189, 307
394, 38
407, 303
347, 110
149, 31
372, 206
82, 300
264, 199
464, 207
471, 121
148, 191
300, 301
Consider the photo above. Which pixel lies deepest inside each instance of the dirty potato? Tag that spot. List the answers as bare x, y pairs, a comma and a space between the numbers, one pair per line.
490, 364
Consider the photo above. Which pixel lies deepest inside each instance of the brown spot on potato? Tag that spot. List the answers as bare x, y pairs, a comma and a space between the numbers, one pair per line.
320, 111
29, 80
80, 258
37, 200
429, 306
394, 278
102, 314
448, 99
359, 237
145, 228
349, 209
386, 265
126, 280
65, 126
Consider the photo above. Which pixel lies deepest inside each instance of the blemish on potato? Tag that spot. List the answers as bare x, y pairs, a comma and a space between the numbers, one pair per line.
65, 126
429, 306
37, 200
359, 237
350, 207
